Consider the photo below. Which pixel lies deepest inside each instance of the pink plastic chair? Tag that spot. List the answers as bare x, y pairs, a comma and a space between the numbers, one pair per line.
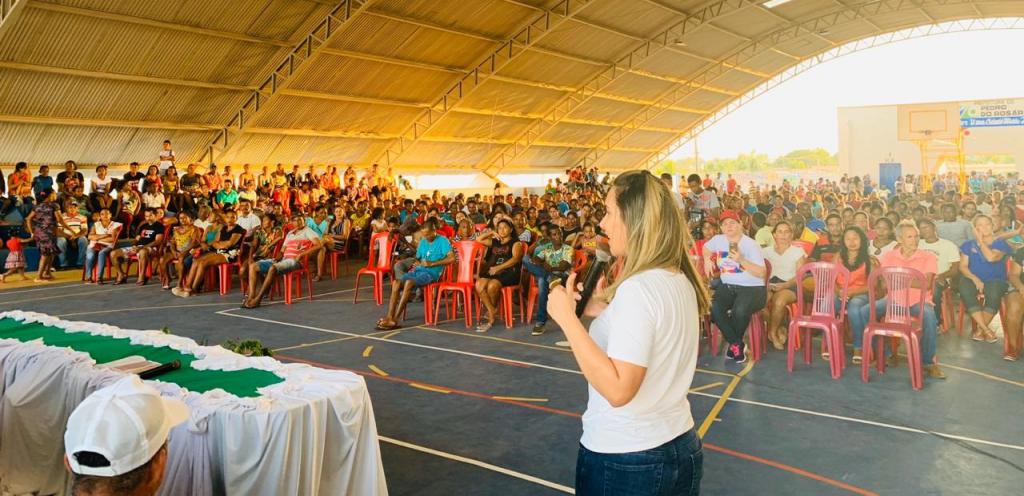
822, 315
382, 248
756, 327
898, 321
470, 256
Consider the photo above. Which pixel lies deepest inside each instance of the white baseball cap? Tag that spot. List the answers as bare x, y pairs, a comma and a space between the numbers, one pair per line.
127, 422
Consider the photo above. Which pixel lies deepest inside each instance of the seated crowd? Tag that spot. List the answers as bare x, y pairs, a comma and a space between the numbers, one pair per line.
750, 242
968, 246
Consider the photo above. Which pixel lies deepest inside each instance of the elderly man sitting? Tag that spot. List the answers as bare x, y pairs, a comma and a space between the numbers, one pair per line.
907, 254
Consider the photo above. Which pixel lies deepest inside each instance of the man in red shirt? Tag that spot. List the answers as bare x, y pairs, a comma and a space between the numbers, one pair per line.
730, 185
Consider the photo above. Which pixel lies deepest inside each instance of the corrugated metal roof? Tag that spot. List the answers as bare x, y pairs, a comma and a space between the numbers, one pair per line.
108, 80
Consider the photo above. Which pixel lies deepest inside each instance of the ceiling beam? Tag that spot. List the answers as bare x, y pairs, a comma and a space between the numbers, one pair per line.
69, 121
113, 76
140, 21
597, 85
310, 133
794, 30
10, 11
525, 38
290, 69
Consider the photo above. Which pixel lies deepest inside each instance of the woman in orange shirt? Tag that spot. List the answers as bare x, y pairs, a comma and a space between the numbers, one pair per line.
853, 252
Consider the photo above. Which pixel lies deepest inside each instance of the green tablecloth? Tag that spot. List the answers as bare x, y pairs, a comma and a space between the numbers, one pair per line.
105, 349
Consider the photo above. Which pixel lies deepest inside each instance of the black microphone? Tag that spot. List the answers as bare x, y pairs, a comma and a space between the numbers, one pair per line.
160, 370
594, 273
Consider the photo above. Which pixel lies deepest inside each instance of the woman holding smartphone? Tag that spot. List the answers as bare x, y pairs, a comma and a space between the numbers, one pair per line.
738, 258
640, 354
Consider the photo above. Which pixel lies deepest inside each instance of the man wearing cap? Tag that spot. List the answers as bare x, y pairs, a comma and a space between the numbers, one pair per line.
116, 440
742, 293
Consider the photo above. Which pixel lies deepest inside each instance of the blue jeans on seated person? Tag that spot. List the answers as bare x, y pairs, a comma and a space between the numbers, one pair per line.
674, 468
98, 259
543, 280
857, 312
929, 326
65, 261
419, 276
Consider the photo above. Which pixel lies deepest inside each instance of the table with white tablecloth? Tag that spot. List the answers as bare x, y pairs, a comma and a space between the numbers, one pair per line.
310, 433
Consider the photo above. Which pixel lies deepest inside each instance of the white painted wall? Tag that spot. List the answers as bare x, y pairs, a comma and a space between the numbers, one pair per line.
867, 136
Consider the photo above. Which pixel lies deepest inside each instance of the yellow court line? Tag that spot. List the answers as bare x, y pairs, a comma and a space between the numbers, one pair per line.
377, 370
390, 334
982, 374
715, 410
705, 387
517, 398
367, 351
428, 388
715, 372
329, 341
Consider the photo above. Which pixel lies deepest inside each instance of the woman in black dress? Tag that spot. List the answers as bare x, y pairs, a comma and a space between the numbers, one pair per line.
500, 268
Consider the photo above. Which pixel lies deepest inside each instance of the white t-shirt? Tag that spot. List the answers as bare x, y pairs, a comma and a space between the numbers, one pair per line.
652, 322
103, 231
944, 250
784, 264
249, 222
732, 272
166, 160
153, 201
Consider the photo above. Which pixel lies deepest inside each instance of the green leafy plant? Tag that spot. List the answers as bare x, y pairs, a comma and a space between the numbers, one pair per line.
165, 330
248, 347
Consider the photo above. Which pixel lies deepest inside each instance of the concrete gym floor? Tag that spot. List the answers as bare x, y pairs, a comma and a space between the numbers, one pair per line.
498, 413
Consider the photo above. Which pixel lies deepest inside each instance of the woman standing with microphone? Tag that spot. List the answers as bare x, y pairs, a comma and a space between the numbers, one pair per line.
641, 352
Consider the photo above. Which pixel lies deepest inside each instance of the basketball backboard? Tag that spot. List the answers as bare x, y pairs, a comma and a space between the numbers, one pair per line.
928, 121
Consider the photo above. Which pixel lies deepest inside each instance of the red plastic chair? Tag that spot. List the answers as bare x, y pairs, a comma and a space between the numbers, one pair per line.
822, 315
428, 295
293, 282
134, 258
806, 246
382, 248
95, 269
579, 260
470, 257
899, 321
335, 255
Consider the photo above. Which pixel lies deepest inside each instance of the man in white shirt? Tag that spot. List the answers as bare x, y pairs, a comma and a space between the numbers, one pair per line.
246, 218
948, 254
166, 157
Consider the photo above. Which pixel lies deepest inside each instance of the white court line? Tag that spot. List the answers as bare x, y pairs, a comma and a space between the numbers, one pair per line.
559, 369
406, 343
478, 463
93, 292
44, 288
863, 421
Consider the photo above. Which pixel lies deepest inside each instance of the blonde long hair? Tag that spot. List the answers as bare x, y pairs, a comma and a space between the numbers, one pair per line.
657, 233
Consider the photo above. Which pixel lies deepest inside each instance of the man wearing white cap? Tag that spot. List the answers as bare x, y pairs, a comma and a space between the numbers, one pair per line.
116, 440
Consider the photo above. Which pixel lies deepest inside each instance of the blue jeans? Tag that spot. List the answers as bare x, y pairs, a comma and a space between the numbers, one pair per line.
62, 244
674, 468
857, 312
91, 261
930, 327
543, 279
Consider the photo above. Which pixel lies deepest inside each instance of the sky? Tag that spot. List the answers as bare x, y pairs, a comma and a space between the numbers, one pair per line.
801, 112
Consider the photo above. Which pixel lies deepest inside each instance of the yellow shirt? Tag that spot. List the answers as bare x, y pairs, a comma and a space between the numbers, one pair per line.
809, 236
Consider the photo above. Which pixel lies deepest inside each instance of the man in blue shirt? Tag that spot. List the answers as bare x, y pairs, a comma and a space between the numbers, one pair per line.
432, 254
